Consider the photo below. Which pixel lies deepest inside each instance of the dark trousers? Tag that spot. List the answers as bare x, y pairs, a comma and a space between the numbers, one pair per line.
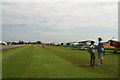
92, 59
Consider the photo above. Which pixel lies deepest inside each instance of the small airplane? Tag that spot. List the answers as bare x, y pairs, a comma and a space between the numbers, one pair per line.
115, 43
83, 44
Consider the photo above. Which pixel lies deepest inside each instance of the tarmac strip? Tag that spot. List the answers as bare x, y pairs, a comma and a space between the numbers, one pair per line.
9, 47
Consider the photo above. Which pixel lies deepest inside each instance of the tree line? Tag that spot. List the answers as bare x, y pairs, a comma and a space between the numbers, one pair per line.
24, 42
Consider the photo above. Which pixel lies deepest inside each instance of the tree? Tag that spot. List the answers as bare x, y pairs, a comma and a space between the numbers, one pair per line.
39, 42
29, 42
13, 43
21, 42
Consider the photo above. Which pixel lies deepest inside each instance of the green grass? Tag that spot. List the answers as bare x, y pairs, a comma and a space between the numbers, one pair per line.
0, 64
34, 61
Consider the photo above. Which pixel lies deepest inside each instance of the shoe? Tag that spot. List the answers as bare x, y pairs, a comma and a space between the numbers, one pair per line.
100, 64
90, 65
93, 65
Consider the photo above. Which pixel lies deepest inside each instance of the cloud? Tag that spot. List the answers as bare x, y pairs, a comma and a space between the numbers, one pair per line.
60, 0
58, 18
61, 14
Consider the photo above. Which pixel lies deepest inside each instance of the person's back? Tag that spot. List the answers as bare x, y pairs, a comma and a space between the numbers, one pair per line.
91, 49
100, 47
100, 51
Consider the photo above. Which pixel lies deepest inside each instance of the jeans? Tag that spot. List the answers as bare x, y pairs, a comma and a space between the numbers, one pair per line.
92, 59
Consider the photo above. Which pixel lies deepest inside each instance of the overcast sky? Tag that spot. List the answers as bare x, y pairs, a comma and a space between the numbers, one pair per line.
59, 21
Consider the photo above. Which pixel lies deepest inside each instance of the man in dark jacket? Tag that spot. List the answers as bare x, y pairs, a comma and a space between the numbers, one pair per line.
100, 50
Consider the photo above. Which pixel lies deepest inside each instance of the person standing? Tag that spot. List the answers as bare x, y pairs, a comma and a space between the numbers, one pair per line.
43, 45
100, 51
92, 54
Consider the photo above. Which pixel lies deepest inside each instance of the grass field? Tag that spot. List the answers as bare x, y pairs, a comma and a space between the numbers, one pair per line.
34, 61
0, 64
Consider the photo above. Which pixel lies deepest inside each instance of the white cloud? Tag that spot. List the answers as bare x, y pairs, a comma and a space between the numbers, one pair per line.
60, 1
62, 16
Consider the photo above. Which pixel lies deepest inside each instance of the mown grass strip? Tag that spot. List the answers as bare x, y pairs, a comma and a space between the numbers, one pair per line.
54, 62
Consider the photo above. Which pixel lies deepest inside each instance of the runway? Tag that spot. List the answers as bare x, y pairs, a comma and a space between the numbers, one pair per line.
9, 47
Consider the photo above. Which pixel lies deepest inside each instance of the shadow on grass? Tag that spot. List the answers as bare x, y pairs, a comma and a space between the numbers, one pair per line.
112, 53
87, 65
84, 66
96, 68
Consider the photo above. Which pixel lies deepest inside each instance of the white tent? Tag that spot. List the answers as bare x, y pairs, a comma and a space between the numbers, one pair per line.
3, 43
